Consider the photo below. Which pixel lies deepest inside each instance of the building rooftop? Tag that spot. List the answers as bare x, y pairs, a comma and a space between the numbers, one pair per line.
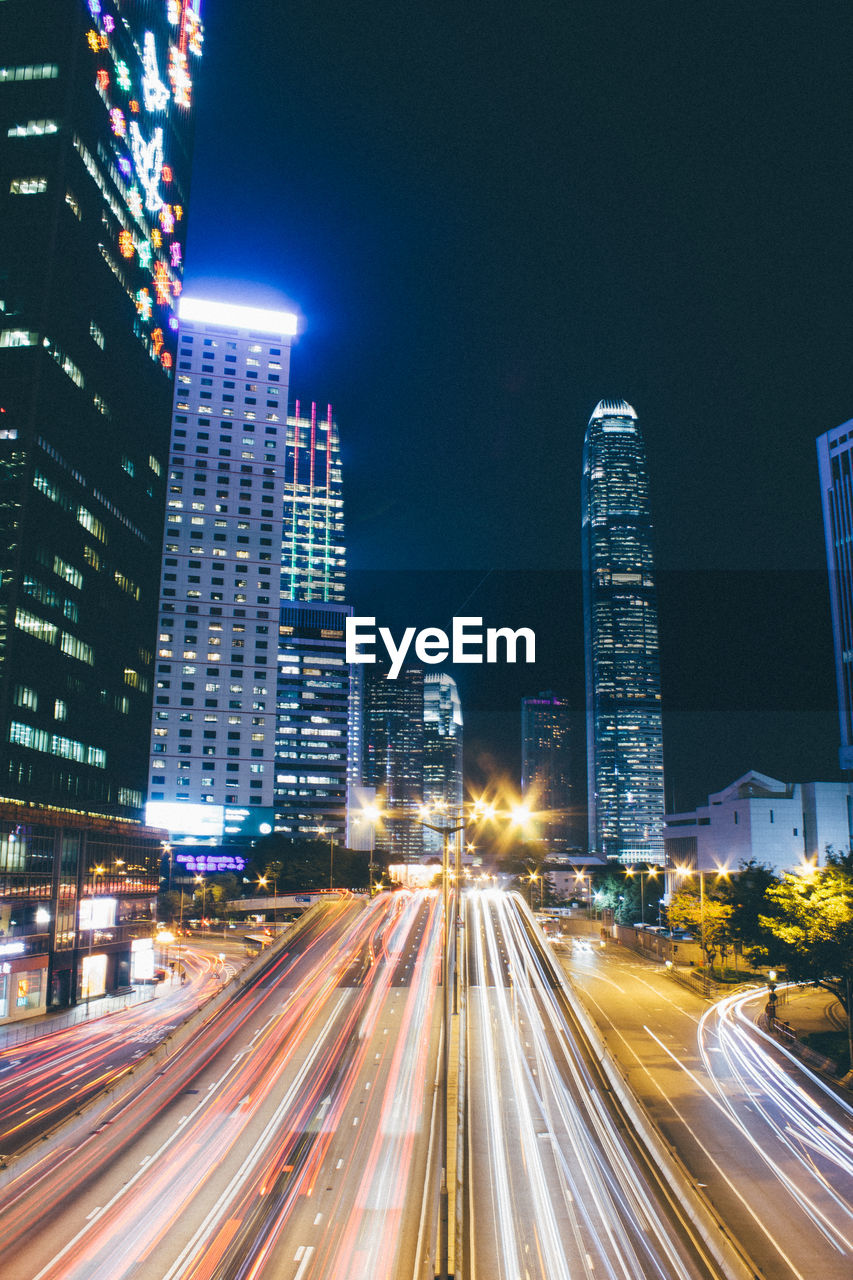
612, 408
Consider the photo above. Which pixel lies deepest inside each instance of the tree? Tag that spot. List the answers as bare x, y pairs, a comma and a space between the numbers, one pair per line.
810, 917
621, 895
746, 893
709, 924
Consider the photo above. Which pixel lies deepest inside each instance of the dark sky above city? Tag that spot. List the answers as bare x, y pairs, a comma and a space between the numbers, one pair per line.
489, 217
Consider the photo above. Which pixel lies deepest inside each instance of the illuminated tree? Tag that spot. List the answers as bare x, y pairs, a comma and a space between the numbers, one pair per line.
710, 925
811, 918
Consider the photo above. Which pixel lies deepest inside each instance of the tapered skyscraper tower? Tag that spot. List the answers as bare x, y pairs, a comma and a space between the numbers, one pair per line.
623, 706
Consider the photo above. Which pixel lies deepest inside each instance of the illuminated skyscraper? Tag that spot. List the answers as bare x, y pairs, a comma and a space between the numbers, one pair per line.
835, 466
393, 755
213, 738
96, 104
623, 706
253, 700
313, 555
442, 758
549, 751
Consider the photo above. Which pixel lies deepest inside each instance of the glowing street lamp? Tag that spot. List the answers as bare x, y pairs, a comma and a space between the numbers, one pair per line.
201, 880
371, 814
263, 881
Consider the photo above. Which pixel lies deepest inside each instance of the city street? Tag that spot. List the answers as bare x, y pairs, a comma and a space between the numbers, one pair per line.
281, 1141
45, 1079
558, 1189
769, 1145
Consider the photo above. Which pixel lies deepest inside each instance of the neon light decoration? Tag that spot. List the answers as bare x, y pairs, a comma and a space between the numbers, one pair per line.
154, 92
175, 251
148, 159
157, 340
103, 78
162, 283
179, 76
144, 251
144, 304
134, 201
173, 12
167, 219
118, 122
125, 244
93, 40
123, 76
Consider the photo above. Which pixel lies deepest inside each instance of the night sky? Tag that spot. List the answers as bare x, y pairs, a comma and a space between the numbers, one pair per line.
489, 217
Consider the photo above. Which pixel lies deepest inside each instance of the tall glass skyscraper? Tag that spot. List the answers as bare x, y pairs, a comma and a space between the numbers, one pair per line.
623, 702
442, 751
549, 757
835, 467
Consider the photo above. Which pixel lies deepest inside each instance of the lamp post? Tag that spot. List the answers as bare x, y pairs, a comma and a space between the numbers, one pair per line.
649, 871
201, 880
720, 873
263, 881
371, 815
321, 831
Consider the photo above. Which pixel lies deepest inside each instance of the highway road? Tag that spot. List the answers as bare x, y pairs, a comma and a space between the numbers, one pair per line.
559, 1190
289, 1139
771, 1146
44, 1080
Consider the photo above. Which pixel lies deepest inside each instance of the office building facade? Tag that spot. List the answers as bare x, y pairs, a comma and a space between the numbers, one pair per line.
835, 470
213, 735
625, 791
442, 752
96, 107
549, 758
314, 698
313, 552
393, 756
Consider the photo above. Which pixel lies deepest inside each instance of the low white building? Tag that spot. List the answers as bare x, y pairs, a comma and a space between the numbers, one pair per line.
782, 824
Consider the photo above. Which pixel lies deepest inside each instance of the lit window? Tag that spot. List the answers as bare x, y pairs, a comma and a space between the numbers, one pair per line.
27, 186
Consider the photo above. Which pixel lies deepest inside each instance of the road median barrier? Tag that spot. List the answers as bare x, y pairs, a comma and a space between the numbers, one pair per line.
726, 1251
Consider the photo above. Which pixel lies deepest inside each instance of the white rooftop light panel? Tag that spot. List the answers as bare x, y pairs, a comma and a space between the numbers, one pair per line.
232, 316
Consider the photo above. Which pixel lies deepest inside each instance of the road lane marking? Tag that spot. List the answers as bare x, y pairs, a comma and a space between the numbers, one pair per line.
303, 1266
97, 1209
340, 1163
318, 1219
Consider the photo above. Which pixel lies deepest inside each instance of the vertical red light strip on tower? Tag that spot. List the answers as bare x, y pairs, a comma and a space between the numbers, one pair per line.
311, 500
328, 497
295, 483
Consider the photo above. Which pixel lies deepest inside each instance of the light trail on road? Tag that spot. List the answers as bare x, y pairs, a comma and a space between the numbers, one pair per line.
216, 1187
51, 1076
556, 1192
805, 1130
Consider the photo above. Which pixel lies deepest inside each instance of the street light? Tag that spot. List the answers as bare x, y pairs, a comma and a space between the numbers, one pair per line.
371, 815
321, 831
263, 881
650, 871
720, 873
200, 880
